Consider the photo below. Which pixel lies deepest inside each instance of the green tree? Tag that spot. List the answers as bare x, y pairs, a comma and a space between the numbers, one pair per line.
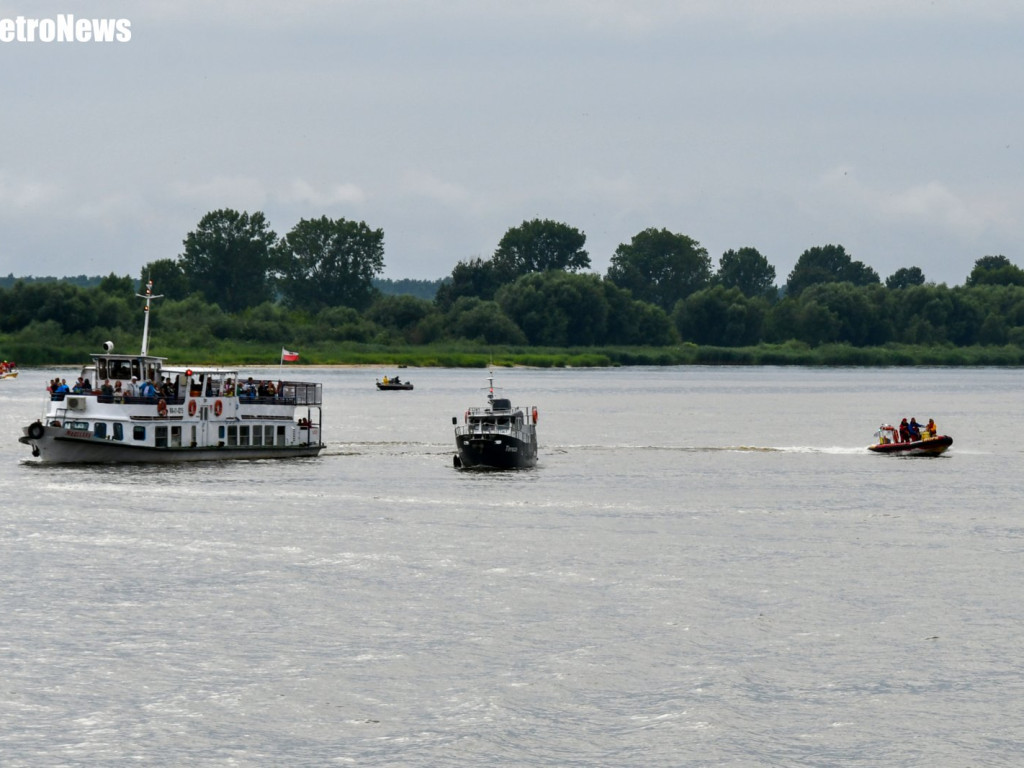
404, 314
660, 267
227, 259
857, 313
557, 309
538, 246
721, 316
73, 308
995, 270
469, 278
635, 322
482, 321
330, 262
747, 270
828, 264
168, 278
905, 277
343, 324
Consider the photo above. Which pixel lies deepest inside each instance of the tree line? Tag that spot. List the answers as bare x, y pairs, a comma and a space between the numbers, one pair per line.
319, 285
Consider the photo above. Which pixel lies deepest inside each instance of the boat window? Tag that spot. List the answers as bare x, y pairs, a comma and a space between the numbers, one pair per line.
137, 368
280, 435
138, 432
243, 435
118, 430
268, 437
257, 435
176, 437
99, 429
119, 369
82, 425
232, 435
160, 437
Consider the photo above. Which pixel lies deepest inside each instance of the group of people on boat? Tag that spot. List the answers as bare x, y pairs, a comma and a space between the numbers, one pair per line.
7, 366
910, 430
133, 388
167, 388
396, 380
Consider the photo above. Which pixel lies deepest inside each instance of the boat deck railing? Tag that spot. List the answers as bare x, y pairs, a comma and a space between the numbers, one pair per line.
291, 394
503, 426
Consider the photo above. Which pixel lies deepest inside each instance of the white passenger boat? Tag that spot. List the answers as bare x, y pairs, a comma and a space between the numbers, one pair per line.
173, 414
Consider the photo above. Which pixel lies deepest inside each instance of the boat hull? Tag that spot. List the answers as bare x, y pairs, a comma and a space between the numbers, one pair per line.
56, 446
392, 387
932, 446
490, 451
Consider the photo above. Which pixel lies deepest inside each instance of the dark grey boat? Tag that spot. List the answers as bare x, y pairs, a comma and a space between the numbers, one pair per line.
497, 435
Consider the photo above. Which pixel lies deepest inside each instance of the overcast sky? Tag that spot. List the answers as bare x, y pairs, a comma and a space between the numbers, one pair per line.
894, 128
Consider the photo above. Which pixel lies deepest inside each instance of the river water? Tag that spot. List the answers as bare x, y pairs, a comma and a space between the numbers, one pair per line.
706, 568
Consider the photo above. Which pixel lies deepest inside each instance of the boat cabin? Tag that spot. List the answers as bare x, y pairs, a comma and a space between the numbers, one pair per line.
887, 434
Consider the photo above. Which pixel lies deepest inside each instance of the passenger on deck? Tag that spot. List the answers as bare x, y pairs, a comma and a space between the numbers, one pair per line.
904, 431
915, 429
931, 428
106, 390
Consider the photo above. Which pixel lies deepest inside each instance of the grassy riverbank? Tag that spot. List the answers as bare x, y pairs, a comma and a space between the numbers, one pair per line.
470, 356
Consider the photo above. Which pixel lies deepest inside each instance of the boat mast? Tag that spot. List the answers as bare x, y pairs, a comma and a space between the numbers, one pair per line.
148, 296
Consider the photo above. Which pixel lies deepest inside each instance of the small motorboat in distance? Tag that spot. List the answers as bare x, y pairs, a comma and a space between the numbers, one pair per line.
394, 383
497, 435
927, 444
8, 370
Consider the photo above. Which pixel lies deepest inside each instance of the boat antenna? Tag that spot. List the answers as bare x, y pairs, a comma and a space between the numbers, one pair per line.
148, 296
490, 386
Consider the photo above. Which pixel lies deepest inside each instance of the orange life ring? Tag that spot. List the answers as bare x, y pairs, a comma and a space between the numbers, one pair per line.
217, 408
191, 407
534, 414
161, 408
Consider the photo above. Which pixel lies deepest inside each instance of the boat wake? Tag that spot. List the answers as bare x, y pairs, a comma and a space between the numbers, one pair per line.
834, 449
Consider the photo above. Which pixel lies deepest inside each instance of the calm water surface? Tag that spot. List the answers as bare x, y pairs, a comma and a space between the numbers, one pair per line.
706, 568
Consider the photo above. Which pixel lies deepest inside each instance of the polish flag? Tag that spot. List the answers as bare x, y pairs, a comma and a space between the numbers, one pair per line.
288, 357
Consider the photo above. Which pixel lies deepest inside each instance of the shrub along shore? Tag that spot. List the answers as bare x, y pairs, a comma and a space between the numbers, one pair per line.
232, 353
